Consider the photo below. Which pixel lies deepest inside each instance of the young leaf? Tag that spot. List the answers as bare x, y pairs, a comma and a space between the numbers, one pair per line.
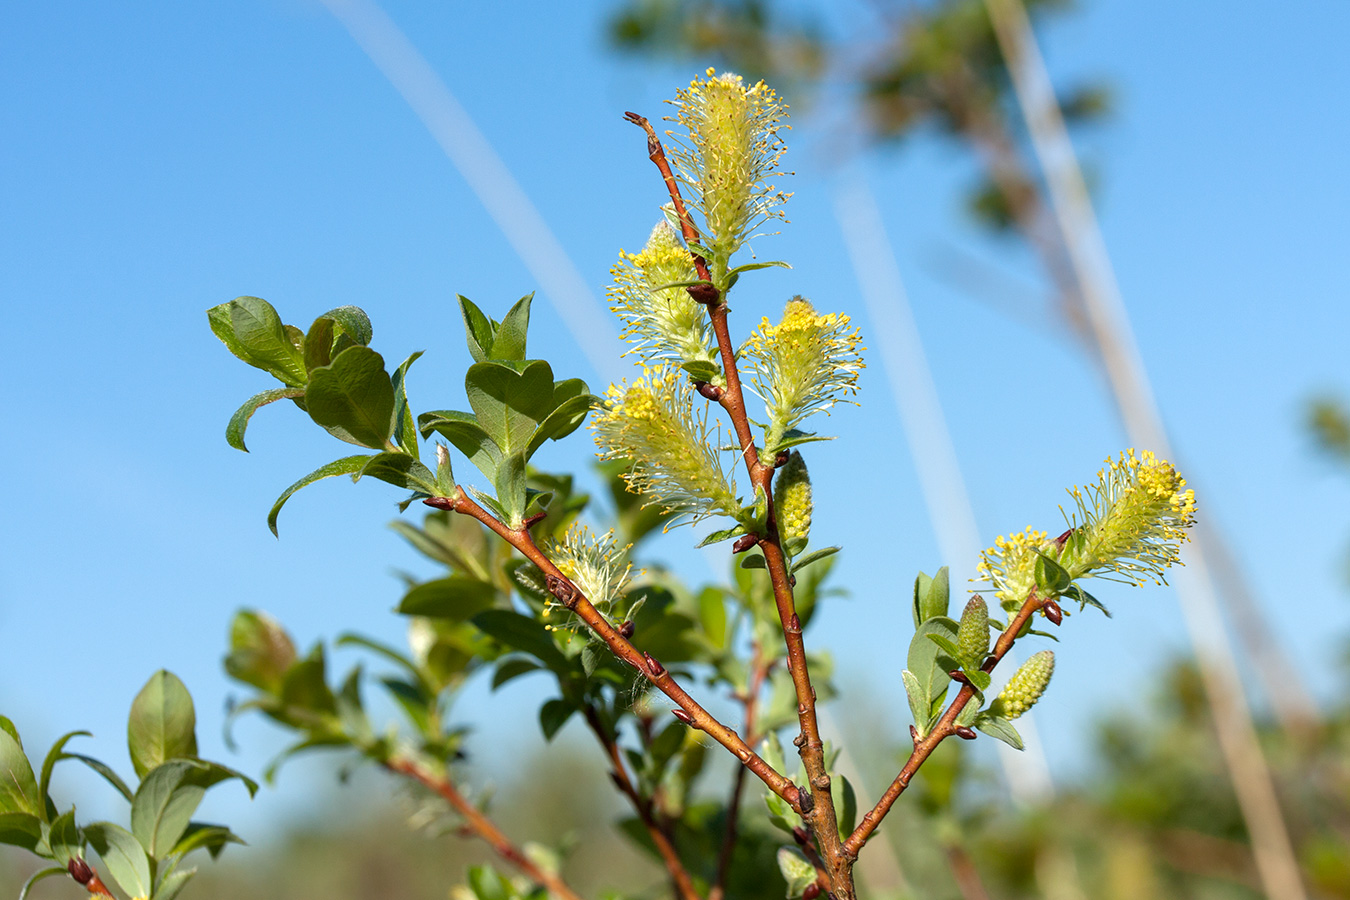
38, 876
509, 340
345, 466
162, 725
1050, 575
478, 328
251, 329
919, 703
163, 806
845, 805
404, 429
813, 557
54, 755
796, 870
463, 431
522, 633
18, 787
457, 598
511, 668
171, 884
930, 667
199, 835
998, 727
123, 855
938, 596
260, 650
510, 404
353, 398
1074, 592
103, 769
399, 469
20, 829
512, 493
725, 534
566, 417
553, 715
234, 431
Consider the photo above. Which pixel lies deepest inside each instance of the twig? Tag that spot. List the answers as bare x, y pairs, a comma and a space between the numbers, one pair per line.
945, 728
759, 669
568, 594
679, 876
820, 812
481, 825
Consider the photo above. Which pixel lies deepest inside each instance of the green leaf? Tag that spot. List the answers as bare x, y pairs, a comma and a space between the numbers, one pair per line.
260, 650
479, 329
813, 557
20, 829
510, 404
796, 870
384, 650
509, 340
948, 646
399, 469
54, 755
926, 663
553, 715
725, 534
1050, 575
979, 678
404, 429
201, 835
234, 432
565, 418
936, 599
345, 466
795, 438
335, 331
250, 328
456, 598
750, 267
919, 703
306, 684
522, 633
753, 561
123, 855
162, 725
512, 492
353, 398
1074, 592
512, 668
414, 698
702, 369
103, 769
38, 876
8, 727
18, 787
163, 806
468, 437
999, 727
845, 805
921, 585
712, 616
171, 884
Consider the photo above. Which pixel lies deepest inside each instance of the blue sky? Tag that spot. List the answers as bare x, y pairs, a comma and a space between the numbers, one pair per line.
163, 158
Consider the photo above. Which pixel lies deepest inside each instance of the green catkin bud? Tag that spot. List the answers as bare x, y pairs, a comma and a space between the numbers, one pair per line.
792, 502
972, 637
1026, 686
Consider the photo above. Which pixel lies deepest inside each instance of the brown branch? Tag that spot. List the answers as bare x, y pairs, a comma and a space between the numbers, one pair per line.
568, 594
944, 729
481, 825
679, 876
819, 812
759, 670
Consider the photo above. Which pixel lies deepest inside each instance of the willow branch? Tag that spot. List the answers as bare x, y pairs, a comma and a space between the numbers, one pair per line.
819, 810
945, 728
759, 670
481, 825
690, 711
679, 876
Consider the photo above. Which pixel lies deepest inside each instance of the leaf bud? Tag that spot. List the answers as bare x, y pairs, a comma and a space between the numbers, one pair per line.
972, 636
1026, 686
79, 870
792, 502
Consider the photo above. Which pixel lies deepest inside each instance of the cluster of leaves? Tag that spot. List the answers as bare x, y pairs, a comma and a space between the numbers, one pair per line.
332, 374
144, 859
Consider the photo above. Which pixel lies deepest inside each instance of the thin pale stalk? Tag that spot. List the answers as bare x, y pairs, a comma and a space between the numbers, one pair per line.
568, 594
679, 876
482, 826
944, 729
